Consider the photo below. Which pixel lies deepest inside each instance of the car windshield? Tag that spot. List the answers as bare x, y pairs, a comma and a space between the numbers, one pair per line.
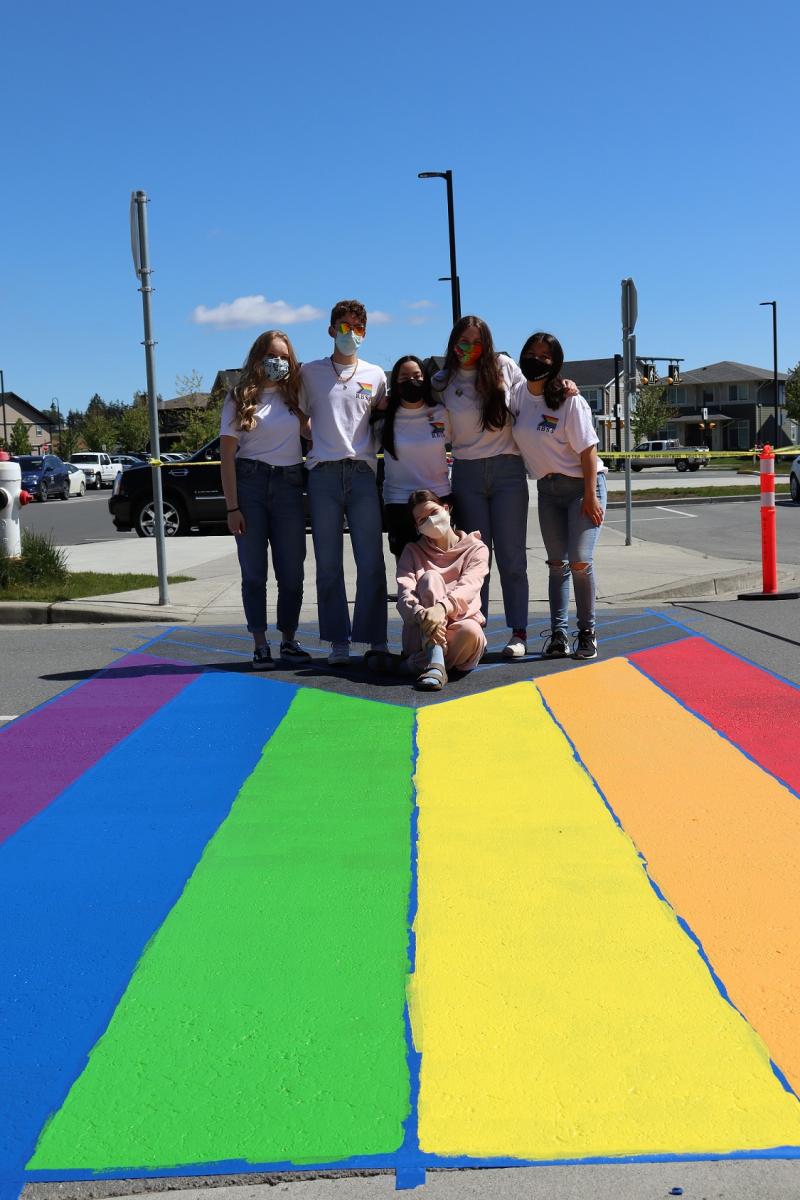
27, 462
79, 458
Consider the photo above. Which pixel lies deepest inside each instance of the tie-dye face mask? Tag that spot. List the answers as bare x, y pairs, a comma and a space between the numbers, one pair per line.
468, 353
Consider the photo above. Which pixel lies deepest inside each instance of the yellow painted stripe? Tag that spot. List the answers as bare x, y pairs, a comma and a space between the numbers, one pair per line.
721, 836
559, 1008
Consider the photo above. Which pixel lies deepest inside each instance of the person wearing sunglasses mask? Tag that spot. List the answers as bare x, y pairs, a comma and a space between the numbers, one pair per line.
413, 432
339, 394
439, 580
554, 430
489, 485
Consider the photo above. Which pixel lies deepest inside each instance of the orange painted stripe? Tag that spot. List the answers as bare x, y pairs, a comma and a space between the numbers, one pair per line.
721, 837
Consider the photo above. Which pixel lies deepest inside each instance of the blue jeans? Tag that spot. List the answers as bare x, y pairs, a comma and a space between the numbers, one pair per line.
569, 537
271, 500
335, 490
491, 496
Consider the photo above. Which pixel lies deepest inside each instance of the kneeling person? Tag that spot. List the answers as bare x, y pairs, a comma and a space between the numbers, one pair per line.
439, 580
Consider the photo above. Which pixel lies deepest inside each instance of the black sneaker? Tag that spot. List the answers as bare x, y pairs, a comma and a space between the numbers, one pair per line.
585, 644
557, 644
262, 659
293, 651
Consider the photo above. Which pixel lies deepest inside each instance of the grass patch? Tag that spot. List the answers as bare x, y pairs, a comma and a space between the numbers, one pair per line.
685, 493
80, 584
40, 573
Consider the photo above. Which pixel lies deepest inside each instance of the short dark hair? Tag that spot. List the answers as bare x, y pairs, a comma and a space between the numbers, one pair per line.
352, 306
424, 496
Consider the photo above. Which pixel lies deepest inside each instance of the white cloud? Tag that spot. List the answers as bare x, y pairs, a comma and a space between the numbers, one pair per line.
418, 320
420, 304
254, 310
377, 317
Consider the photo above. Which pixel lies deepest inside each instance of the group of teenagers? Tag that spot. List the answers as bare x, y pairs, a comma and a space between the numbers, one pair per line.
502, 423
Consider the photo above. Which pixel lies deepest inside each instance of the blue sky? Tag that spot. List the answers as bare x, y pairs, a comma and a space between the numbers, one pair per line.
280, 152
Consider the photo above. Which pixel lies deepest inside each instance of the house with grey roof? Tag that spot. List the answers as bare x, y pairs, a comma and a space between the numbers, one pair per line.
41, 426
730, 406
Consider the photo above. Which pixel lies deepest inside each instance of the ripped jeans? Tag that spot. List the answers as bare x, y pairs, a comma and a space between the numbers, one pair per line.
569, 537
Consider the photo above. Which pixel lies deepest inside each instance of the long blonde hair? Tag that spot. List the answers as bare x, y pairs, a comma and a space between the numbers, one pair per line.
253, 380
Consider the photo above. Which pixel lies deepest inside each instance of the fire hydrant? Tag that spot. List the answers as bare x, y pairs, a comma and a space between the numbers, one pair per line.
12, 497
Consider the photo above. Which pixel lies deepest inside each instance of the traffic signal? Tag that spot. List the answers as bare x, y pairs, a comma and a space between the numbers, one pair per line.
673, 374
646, 373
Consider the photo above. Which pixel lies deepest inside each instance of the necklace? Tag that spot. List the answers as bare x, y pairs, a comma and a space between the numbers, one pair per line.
343, 379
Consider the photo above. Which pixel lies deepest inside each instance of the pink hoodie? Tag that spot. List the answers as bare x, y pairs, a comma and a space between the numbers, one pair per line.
463, 569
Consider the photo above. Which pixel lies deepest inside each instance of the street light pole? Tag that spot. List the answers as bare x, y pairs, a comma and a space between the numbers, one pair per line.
3, 395
773, 304
455, 282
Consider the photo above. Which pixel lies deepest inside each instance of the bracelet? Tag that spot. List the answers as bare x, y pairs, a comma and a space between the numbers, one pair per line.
237, 509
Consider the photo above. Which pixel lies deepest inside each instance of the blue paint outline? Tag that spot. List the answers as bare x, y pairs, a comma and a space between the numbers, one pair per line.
682, 921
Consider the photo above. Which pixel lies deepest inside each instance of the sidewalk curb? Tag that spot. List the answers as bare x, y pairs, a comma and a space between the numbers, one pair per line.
74, 612
708, 586
678, 500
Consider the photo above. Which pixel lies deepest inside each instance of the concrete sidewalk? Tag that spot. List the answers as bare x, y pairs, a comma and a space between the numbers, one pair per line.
644, 571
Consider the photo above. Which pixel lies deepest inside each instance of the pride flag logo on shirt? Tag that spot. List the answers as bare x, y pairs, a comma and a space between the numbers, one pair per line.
437, 429
364, 390
548, 424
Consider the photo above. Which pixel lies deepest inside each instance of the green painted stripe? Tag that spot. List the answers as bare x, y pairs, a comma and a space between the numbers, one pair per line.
265, 1019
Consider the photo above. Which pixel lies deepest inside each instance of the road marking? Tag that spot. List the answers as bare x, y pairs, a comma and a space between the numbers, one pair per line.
663, 508
12, 717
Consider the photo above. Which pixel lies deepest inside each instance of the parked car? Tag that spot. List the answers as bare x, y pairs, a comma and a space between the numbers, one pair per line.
794, 479
44, 475
191, 492
97, 466
77, 480
667, 448
126, 460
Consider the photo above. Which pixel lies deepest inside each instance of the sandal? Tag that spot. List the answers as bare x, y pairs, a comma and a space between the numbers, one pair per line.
432, 679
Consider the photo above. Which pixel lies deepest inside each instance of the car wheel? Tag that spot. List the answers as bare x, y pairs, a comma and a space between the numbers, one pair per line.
65, 493
681, 465
82, 489
175, 522
98, 482
694, 466
41, 495
635, 468
794, 487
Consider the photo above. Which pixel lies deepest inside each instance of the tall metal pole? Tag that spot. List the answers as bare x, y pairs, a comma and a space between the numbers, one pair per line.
3, 394
617, 414
629, 315
773, 304
455, 283
144, 273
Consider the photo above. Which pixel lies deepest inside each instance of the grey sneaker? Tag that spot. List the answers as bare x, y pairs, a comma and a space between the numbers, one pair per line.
262, 658
585, 644
557, 644
339, 655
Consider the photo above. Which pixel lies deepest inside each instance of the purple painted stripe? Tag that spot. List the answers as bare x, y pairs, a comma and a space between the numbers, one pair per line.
46, 751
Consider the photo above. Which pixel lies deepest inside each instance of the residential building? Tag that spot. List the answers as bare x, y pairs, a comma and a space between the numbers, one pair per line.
730, 406
42, 429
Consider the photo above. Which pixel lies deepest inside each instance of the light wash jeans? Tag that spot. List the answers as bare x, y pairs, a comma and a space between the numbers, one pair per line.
569, 537
271, 500
336, 489
491, 496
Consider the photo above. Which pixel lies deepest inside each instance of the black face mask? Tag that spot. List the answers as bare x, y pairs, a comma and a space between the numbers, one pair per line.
535, 369
411, 390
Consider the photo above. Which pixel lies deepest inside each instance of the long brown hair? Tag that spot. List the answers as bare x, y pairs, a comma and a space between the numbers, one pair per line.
489, 379
253, 380
554, 390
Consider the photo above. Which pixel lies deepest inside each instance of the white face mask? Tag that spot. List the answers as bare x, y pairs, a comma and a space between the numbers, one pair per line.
437, 524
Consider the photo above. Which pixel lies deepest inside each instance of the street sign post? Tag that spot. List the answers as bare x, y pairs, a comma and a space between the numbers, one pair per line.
630, 312
141, 265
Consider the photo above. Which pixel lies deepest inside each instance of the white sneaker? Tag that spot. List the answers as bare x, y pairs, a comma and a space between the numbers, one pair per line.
515, 647
339, 655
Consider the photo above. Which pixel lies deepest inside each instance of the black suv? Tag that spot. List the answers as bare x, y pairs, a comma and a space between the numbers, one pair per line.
192, 494
44, 475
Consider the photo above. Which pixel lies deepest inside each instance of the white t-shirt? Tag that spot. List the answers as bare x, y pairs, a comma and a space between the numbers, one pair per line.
276, 436
551, 441
460, 398
339, 400
419, 440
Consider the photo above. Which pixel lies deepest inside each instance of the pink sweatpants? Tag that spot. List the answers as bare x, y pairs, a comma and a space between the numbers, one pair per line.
466, 641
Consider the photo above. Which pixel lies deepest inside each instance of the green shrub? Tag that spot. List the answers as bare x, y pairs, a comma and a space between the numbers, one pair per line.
41, 562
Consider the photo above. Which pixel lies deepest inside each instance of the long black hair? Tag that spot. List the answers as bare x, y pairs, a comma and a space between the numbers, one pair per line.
386, 415
554, 390
488, 380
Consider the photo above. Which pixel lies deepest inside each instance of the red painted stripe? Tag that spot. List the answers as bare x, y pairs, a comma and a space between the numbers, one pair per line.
759, 713
43, 753
768, 483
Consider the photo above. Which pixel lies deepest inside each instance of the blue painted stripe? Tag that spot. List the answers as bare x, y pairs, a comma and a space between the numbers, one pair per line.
86, 884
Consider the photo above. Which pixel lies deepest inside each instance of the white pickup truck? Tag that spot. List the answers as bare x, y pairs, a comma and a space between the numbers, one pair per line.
97, 466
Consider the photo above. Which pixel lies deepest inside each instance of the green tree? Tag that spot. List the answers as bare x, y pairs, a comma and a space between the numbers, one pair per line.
67, 443
793, 393
198, 426
20, 442
98, 431
651, 413
133, 428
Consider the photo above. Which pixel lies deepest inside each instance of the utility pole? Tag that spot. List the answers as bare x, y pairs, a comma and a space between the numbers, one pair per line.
773, 304
141, 263
630, 311
455, 282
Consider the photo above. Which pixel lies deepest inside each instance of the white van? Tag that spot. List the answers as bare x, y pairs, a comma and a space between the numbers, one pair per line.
97, 466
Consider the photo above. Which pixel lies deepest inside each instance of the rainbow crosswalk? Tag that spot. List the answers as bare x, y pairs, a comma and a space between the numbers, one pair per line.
554, 921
